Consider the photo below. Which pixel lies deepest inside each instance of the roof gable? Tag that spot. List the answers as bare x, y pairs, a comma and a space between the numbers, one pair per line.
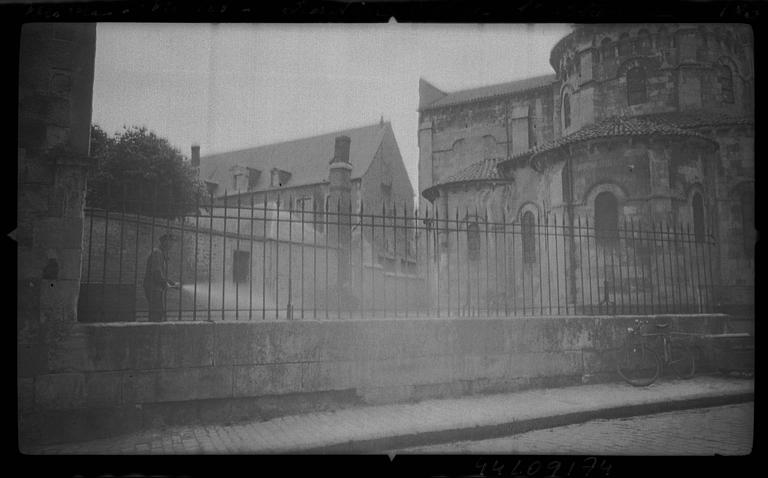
307, 159
428, 93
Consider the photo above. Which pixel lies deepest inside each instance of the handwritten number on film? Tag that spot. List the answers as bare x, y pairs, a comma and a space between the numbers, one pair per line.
589, 467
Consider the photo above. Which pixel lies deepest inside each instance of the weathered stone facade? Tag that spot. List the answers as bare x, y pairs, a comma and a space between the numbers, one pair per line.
55, 82
658, 116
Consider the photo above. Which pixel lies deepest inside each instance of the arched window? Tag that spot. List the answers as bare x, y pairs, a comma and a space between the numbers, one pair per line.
606, 49
565, 180
664, 40
625, 46
698, 217
636, 86
529, 237
567, 110
606, 218
748, 221
644, 42
473, 241
725, 78
729, 42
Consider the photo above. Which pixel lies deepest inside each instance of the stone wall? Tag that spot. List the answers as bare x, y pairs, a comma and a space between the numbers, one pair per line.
735, 187
653, 180
681, 63
108, 378
464, 134
55, 82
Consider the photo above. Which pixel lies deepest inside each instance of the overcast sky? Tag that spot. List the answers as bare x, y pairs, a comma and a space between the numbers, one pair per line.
233, 86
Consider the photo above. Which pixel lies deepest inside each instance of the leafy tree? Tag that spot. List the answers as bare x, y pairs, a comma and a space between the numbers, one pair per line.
140, 172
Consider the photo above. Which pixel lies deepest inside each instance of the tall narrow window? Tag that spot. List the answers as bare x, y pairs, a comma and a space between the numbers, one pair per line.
725, 78
567, 110
644, 42
240, 263
625, 46
529, 237
636, 86
566, 183
606, 49
473, 241
606, 218
664, 40
748, 221
729, 42
698, 217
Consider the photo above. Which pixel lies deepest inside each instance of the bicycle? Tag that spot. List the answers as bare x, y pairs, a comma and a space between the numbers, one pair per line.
638, 362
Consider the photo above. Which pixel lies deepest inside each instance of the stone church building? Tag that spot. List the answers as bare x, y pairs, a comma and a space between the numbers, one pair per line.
643, 124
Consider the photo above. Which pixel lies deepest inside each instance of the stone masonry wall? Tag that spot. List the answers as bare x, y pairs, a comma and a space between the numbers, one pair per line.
55, 95
464, 134
109, 378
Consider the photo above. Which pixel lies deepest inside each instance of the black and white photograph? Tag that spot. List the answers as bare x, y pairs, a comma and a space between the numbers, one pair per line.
393, 238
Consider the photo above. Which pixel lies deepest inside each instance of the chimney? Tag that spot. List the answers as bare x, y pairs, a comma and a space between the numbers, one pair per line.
340, 194
195, 162
341, 150
340, 175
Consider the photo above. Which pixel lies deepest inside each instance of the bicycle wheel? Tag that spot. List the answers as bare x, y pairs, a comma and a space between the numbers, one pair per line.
638, 365
682, 360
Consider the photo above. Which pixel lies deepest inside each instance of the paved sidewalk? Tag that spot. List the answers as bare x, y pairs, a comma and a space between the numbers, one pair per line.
373, 429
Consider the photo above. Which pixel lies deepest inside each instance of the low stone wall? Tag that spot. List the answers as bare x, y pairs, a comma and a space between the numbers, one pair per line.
104, 379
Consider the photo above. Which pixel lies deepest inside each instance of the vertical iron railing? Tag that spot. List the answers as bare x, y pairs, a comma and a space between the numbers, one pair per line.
394, 263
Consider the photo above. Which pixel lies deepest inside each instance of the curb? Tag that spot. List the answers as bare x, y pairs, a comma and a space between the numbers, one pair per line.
483, 432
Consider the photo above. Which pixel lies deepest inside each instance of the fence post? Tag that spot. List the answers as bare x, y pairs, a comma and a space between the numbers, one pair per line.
264, 261
289, 306
250, 265
197, 230
277, 257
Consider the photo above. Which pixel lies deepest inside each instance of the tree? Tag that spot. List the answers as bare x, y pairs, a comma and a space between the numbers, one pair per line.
140, 172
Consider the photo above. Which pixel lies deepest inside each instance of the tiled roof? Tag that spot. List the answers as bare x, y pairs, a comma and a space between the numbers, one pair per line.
484, 170
491, 91
665, 124
307, 159
617, 126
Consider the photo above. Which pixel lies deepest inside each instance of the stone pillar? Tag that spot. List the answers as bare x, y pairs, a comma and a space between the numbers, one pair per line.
660, 184
55, 92
340, 178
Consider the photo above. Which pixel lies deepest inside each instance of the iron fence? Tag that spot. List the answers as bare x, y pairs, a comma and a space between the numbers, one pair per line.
239, 259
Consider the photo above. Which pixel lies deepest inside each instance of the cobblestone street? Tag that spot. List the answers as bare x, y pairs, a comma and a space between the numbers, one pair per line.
725, 430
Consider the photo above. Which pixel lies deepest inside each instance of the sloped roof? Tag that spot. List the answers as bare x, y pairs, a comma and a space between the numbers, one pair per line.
616, 126
491, 91
307, 159
485, 170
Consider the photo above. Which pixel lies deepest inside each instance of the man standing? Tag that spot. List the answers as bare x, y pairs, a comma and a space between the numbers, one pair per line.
156, 281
